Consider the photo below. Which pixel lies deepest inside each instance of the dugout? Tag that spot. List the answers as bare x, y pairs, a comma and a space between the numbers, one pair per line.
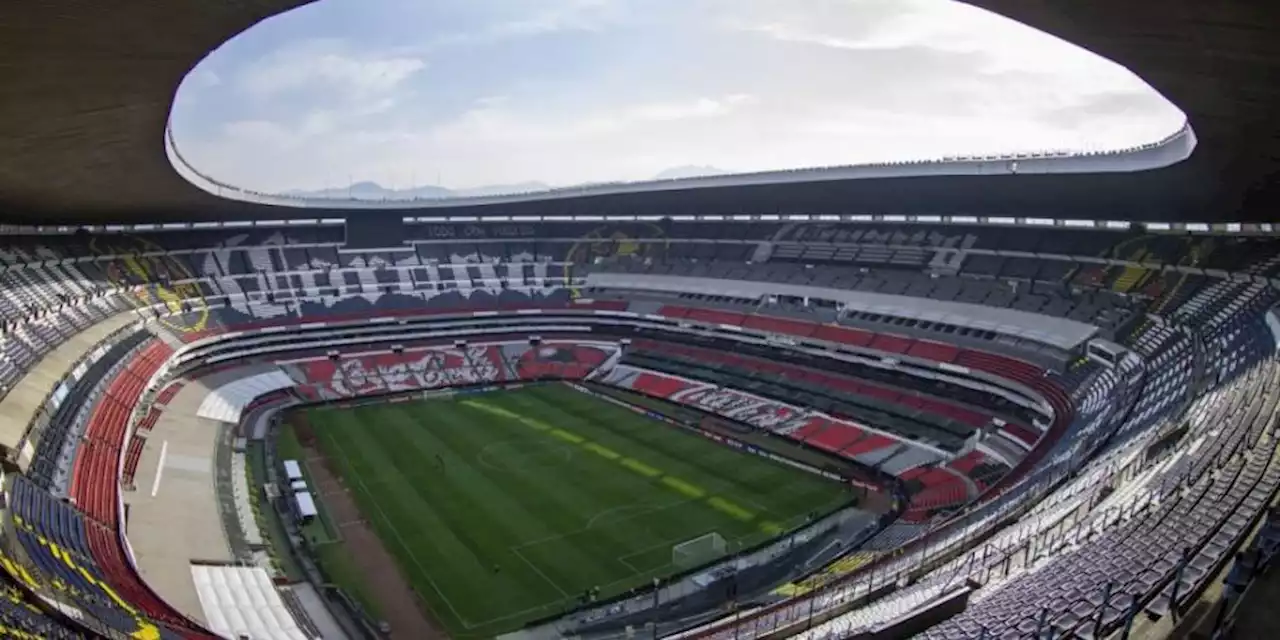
305, 505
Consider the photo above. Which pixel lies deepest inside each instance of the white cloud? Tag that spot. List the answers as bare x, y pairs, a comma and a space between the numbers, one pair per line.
1002, 44
499, 123
740, 85
549, 17
327, 66
207, 79
699, 108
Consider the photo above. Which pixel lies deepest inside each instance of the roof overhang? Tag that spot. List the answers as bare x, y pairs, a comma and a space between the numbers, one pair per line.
82, 136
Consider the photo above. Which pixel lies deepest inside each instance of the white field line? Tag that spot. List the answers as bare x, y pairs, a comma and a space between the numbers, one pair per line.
399, 538
568, 534
545, 577
155, 484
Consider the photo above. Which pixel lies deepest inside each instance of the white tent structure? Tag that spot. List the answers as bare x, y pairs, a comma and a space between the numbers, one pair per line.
242, 602
227, 402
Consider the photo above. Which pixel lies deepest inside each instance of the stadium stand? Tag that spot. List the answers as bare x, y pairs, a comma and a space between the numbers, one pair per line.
414, 369
1189, 314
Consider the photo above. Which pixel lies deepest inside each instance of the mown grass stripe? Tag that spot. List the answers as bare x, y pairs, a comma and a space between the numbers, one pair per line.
640, 467
602, 451
536, 425
497, 411
772, 528
729, 508
683, 487
566, 436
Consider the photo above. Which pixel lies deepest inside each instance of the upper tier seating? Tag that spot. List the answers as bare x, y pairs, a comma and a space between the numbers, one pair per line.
1109, 311
112, 272
270, 275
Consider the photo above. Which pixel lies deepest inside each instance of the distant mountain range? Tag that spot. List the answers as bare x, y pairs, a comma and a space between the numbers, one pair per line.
374, 191
368, 190
690, 171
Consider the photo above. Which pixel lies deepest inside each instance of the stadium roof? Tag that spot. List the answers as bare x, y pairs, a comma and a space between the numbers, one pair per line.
88, 88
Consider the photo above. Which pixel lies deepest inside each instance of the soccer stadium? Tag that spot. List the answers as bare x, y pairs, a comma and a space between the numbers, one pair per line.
1024, 396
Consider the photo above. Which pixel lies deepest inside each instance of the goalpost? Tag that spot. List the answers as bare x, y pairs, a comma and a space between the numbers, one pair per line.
699, 550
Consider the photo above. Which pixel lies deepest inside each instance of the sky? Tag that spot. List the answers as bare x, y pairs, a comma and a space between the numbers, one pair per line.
472, 93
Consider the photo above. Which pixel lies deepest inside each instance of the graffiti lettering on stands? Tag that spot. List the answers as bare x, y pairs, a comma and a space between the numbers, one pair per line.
441, 231
426, 370
754, 411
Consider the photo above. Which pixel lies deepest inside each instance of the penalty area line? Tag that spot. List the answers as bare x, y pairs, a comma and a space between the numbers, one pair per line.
544, 576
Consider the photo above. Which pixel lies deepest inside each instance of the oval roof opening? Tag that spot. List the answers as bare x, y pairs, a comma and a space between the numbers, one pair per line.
401, 99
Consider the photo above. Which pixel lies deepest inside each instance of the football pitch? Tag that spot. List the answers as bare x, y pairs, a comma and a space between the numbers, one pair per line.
506, 507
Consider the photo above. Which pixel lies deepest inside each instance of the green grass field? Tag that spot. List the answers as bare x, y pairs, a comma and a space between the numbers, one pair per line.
544, 493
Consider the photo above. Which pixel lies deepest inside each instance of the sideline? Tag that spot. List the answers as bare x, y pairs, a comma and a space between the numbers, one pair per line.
155, 484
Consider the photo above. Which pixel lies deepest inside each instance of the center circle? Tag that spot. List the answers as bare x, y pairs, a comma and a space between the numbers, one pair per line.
513, 456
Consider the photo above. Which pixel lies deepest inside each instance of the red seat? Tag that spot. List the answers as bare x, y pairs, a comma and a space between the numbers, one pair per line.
872, 442
835, 436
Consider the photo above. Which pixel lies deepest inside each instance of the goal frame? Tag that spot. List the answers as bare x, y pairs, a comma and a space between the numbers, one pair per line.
699, 550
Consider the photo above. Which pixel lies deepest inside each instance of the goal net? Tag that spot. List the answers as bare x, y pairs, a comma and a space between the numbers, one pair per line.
699, 550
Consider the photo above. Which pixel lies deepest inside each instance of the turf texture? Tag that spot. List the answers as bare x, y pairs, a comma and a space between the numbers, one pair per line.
506, 507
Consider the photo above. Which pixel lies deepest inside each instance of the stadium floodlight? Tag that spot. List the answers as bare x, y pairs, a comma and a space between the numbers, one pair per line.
698, 551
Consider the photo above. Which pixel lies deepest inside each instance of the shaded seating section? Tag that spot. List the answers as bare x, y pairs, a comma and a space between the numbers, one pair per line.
40, 331
908, 415
300, 261
100, 452
134, 455
840, 437
1109, 310
20, 617
885, 395
148, 421
245, 251
952, 484
57, 542
1000, 366
1036, 379
169, 391
934, 482
259, 315
1080, 372
980, 469
42, 304
932, 490
447, 366
1019, 433
57, 436
95, 485
820, 430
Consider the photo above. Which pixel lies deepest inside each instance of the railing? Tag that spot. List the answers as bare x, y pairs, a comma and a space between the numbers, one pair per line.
1243, 589
1046, 161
